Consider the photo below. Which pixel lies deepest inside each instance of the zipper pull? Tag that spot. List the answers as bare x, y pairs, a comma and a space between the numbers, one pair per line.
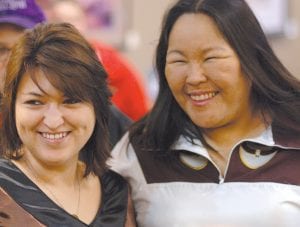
221, 179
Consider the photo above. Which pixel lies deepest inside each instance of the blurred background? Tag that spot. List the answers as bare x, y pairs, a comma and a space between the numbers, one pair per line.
132, 27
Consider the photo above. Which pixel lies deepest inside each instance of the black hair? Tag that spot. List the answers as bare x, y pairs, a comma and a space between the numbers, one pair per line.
273, 89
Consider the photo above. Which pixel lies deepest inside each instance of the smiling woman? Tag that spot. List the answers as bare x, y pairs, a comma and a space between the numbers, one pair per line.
54, 135
220, 146
204, 74
54, 126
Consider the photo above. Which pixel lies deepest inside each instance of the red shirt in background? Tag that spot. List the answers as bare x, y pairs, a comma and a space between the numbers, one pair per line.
129, 94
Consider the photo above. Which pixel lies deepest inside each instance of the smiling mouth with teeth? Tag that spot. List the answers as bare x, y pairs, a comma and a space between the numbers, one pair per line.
54, 136
203, 97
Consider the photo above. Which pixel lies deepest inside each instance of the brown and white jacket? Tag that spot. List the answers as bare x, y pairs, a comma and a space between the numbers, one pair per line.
261, 185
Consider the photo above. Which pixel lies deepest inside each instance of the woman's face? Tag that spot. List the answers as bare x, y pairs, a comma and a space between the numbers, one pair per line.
204, 73
52, 127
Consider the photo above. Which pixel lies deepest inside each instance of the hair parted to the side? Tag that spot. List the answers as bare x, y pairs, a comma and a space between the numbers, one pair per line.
274, 90
71, 66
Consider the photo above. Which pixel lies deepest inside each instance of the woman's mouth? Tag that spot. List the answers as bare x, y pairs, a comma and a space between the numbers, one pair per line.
203, 97
54, 136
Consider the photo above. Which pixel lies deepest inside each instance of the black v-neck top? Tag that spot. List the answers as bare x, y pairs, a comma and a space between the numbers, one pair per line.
112, 211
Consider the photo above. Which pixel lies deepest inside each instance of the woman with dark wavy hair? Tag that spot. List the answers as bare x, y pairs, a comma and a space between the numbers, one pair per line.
55, 137
221, 144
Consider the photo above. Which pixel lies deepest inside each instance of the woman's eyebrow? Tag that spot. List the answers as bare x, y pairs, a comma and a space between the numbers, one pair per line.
32, 93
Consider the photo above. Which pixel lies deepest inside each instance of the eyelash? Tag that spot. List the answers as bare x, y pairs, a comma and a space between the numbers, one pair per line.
182, 61
71, 101
210, 58
33, 102
177, 61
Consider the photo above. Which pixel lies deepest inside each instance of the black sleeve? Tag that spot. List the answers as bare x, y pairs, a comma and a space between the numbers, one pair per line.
118, 124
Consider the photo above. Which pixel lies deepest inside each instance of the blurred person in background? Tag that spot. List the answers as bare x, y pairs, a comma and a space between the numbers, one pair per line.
15, 17
18, 15
126, 84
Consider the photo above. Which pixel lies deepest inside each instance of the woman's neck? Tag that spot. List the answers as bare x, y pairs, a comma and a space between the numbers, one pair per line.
51, 174
223, 139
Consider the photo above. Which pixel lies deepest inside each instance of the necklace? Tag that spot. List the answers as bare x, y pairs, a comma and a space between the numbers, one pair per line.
43, 183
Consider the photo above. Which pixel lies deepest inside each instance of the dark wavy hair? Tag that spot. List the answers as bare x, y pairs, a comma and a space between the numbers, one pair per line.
71, 66
274, 90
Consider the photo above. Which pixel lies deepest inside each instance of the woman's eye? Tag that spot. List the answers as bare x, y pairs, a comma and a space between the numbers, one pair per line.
210, 58
176, 61
71, 101
33, 102
179, 61
4, 50
216, 57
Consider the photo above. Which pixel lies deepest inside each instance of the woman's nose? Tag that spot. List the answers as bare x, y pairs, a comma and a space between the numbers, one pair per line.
53, 117
196, 74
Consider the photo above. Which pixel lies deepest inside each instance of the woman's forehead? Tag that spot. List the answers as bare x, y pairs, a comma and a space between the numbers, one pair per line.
36, 81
